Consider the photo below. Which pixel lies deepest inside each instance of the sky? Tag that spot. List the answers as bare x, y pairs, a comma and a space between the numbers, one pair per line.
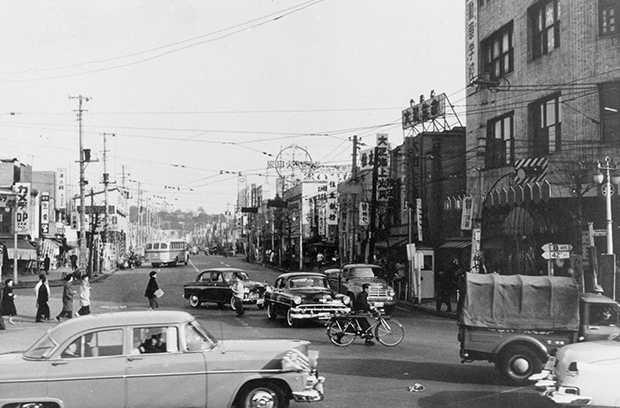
189, 95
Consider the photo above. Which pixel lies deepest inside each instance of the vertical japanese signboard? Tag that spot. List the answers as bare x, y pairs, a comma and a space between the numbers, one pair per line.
467, 216
45, 212
22, 199
332, 201
471, 38
364, 214
381, 159
61, 189
476, 254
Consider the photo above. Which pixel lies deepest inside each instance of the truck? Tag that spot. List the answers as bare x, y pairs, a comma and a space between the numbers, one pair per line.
516, 322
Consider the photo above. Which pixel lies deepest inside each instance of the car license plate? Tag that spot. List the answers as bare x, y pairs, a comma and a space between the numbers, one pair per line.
260, 301
378, 304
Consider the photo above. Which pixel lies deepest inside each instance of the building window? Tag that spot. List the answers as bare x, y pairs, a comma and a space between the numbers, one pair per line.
499, 52
610, 112
607, 14
500, 147
545, 23
547, 120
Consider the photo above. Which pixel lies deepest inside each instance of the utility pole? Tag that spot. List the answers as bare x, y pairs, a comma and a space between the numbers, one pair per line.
83, 160
351, 218
106, 181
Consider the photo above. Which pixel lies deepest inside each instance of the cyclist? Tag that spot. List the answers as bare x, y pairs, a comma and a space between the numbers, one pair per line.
361, 305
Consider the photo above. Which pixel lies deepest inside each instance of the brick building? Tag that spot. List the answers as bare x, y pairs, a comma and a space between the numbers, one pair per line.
543, 108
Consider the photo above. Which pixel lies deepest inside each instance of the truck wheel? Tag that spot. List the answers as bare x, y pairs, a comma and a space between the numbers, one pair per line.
517, 363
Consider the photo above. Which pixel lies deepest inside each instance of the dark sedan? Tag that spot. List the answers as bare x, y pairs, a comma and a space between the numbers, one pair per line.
304, 296
213, 286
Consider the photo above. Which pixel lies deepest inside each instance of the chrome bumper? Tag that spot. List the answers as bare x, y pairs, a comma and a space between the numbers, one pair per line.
547, 383
313, 392
323, 314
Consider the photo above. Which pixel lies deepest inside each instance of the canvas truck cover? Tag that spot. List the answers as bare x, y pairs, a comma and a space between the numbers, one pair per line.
521, 302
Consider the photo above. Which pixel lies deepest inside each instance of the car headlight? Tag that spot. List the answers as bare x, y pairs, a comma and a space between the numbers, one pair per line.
391, 292
246, 290
346, 300
297, 300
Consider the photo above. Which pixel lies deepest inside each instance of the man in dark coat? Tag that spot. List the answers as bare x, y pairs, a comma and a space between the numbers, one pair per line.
42, 294
361, 305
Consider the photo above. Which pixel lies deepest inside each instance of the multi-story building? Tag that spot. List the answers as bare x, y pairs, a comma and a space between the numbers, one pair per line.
543, 108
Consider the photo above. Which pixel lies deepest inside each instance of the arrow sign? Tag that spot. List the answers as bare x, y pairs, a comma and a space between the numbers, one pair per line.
557, 247
556, 255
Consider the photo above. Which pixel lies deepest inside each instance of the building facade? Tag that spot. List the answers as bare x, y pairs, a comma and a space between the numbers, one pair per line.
543, 109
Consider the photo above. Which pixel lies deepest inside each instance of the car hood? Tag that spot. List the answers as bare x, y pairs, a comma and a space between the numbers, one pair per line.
590, 352
252, 283
374, 282
263, 354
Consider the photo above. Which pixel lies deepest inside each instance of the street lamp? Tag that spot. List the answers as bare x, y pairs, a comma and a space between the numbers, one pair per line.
609, 259
609, 180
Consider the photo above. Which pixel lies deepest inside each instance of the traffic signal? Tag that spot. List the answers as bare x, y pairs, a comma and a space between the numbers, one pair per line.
86, 155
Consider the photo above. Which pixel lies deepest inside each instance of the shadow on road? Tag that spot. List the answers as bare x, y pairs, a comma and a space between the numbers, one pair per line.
481, 399
418, 371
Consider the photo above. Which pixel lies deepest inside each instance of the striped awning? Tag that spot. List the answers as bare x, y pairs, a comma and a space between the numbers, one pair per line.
457, 244
25, 251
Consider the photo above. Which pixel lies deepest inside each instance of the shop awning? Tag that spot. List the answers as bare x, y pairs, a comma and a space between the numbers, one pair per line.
384, 244
460, 244
25, 251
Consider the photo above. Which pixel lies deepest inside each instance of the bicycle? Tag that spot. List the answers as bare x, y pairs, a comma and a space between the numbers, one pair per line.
342, 329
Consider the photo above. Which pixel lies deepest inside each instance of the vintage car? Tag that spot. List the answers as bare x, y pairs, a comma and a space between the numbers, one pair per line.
155, 359
349, 280
585, 373
213, 285
303, 296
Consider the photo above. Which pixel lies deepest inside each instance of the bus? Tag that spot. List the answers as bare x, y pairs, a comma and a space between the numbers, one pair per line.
169, 252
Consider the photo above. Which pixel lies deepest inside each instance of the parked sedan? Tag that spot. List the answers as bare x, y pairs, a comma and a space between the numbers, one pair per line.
213, 285
583, 374
304, 296
155, 359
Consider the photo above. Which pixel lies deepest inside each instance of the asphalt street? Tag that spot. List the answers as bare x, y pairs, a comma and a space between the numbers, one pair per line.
423, 371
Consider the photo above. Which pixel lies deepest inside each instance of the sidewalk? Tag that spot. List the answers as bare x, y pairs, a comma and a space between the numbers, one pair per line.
26, 331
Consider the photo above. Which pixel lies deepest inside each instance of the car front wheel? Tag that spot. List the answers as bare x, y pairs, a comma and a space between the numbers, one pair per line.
290, 322
261, 394
194, 301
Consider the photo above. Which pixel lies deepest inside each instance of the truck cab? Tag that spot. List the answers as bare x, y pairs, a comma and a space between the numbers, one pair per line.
599, 317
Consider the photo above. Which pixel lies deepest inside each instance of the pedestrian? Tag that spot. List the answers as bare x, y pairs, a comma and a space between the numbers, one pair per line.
84, 296
151, 288
320, 258
8, 301
444, 291
74, 260
46, 264
238, 290
42, 294
67, 299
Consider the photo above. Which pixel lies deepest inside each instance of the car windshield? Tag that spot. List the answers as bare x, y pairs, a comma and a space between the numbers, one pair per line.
308, 282
42, 348
230, 275
198, 338
362, 273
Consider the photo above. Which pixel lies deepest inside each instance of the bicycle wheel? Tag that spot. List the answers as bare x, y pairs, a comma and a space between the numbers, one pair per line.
389, 333
340, 332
